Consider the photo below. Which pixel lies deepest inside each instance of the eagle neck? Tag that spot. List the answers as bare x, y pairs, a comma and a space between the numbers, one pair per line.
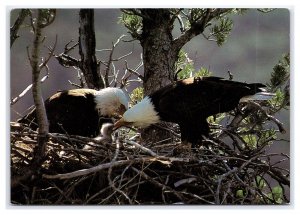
143, 113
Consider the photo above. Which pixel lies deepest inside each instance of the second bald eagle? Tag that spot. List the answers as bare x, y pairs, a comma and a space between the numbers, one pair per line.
189, 102
81, 111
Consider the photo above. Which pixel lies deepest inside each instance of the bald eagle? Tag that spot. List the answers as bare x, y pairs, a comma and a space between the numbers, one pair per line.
80, 111
189, 102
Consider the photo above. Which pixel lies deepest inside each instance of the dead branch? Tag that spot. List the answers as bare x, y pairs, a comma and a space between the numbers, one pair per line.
23, 93
15, 28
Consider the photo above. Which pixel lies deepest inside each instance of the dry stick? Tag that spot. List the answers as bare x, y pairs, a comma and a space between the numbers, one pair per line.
111, 183
16, 99
96, 168
217, 194
115, 164
39, 152
162, 186
41, 66
144, 149
68, 49
134, 71
110, 60
196, 196
184, 181
125, 183
272, 118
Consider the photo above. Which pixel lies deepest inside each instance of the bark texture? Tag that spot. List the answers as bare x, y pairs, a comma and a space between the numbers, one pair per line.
156, 40
87, 44
37, 95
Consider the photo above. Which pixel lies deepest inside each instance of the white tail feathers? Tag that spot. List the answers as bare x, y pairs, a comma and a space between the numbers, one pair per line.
261, 96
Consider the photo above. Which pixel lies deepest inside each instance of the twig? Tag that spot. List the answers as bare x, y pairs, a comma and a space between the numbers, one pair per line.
276, 121
144, 149
184, 181
111, 183
23, 93
134, 71
162, 186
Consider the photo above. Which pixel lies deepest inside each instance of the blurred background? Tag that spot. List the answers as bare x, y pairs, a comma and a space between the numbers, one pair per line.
256, 43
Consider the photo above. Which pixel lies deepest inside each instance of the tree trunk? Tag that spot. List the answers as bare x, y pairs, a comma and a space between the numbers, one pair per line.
156, 40
159, 60
87, 44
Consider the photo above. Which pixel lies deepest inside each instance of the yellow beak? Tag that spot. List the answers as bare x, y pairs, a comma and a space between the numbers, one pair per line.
120, 123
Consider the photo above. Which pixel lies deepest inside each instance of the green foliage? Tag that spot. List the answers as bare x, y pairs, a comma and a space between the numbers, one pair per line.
133, 23
260, 182
239, 194
203, 72
276, 194
221, 30
279, 84
277, 100
280, 72
184, 64
136, 95
186, 67
47, 16
239, 11
196, 14
250, 140
266, 137
216, 119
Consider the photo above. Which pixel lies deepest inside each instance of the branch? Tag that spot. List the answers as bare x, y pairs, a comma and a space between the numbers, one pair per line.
113, 164
15, 28
23, 93
269, 117
36, 85
197, 27
134, 71
67, 61
39, 150
110, 59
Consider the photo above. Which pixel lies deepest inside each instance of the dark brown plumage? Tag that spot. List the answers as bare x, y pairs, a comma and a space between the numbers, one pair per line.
80, 111
189, 102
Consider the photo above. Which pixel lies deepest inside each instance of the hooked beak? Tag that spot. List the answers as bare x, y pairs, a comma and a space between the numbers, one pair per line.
121, 123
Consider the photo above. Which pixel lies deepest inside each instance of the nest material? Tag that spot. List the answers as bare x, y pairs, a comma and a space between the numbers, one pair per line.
126, 172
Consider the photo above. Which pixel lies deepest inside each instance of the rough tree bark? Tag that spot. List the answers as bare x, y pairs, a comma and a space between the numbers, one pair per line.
87, 44
156, 40
37, 91
159, 59
160, 49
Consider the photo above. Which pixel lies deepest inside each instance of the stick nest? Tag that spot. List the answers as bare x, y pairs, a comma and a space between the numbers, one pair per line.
126, 171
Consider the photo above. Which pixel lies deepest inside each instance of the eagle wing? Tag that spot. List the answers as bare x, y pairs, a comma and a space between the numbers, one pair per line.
200, 98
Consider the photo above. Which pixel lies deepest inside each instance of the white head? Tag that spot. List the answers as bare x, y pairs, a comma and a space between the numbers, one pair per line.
111, 101
142, 115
